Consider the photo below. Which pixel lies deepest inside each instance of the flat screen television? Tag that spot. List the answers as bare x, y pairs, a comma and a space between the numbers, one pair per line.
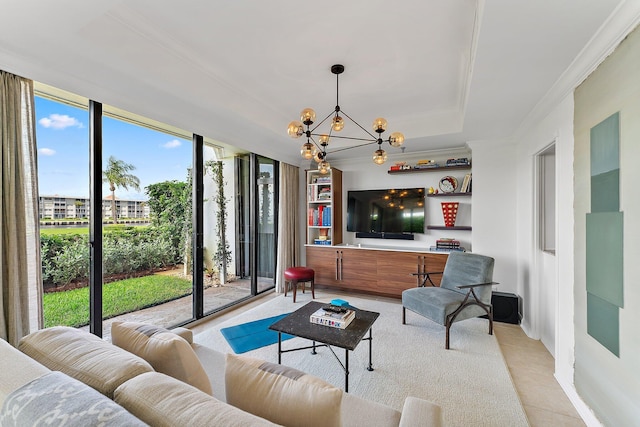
398, 210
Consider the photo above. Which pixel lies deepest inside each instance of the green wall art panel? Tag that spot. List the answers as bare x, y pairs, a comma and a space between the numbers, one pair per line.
604, 256
605, 165
602, 321
604, 236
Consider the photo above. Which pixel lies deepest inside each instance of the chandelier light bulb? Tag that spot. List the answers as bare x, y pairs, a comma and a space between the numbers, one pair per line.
379, 156
324, 167
318, 156
379, 125
324, 140
307, 151
337, 123
396, 139
295, 129
308, 116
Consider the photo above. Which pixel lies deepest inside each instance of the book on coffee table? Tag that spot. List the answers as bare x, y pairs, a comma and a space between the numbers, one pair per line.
332, 319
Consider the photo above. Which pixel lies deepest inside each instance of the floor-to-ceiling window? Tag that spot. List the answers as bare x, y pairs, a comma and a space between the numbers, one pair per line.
266, 222
63, 176
146, 224
256, 204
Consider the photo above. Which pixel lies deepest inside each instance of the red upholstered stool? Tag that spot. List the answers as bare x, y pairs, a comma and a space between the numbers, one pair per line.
295, 275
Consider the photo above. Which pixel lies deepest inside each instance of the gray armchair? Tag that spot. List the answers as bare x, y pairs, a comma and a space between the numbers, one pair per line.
464, 292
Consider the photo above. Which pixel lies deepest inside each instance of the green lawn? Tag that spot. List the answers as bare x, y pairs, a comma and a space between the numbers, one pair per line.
81, 230
71, 308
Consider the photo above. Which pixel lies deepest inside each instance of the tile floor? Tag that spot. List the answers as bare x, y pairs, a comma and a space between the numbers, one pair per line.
531, 367
530, 364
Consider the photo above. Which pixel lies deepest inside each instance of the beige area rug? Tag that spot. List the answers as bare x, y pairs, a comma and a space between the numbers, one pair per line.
470, 382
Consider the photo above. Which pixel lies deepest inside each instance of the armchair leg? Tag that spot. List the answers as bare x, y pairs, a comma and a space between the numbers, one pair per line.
446, 339
404, 316
490, 316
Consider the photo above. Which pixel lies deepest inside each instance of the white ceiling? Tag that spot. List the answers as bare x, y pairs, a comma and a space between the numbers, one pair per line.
443, 72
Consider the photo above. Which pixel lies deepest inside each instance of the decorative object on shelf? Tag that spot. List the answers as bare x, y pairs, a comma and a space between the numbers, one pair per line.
462, 161
449, 212
448, 184
317, 150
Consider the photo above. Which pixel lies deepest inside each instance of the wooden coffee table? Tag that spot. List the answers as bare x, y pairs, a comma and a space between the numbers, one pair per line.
298, 324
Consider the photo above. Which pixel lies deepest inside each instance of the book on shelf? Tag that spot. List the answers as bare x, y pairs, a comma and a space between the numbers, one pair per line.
441, 249
466, 184
324, 193
447, 244
333, 319
319, 216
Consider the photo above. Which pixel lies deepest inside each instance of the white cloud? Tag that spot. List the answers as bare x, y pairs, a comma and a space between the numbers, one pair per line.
59, 121
172, 144
46, 151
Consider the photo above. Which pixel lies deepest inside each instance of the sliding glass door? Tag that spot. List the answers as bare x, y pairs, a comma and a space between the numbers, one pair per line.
257, 203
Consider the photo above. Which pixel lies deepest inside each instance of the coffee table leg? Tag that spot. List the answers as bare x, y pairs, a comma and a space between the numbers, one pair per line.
346, 371
279, 348
313, 350
370, 368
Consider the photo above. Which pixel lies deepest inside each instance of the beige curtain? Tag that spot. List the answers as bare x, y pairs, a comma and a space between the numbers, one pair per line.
288, 223
20, 272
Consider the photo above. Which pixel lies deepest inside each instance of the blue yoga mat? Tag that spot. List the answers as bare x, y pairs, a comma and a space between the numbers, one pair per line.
251, 335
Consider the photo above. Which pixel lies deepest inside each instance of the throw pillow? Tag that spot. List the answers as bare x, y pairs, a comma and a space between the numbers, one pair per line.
56, 399
165, 351
281, 394
83, 356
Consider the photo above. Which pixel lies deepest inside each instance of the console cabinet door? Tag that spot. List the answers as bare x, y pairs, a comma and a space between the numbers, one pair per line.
359, 269
395, 269
325, 263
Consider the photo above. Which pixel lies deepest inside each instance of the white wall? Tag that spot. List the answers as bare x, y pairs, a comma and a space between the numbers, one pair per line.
495, 198
610, 383
535, 280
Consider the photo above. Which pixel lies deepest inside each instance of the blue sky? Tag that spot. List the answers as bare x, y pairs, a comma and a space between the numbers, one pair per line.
62, 134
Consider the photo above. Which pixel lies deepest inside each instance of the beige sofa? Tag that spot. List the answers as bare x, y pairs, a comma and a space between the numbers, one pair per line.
177, 382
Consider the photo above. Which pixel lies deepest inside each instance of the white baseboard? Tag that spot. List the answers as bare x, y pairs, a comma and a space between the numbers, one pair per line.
583, 409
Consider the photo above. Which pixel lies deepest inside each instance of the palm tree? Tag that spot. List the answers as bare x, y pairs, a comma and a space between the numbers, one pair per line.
117, 175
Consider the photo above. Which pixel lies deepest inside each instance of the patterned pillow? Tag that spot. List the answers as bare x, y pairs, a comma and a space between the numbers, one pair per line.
83, 356
56, 399
165, 351
281, 394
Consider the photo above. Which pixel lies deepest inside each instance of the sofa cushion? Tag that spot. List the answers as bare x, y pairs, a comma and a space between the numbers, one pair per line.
56, 399
281, 394
357, 412
17, 369
160, 400
83, 356
164, 350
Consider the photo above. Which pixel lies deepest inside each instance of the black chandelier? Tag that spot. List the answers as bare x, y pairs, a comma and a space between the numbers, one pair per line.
318, 150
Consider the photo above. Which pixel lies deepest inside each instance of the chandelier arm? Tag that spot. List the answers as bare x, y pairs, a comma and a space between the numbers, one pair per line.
358, 124
347, 137
337, 88
314, 143
354, 146
323, 120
